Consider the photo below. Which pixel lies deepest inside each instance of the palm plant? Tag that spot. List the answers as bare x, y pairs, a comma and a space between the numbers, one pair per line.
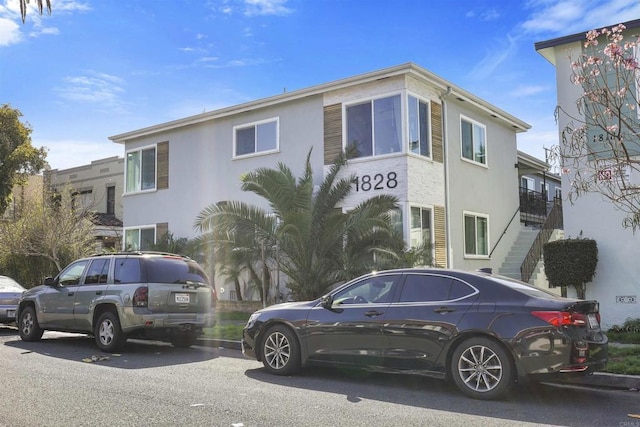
40, 4
312, 241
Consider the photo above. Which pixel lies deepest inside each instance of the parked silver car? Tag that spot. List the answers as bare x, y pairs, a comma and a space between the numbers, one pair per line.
148, 295
10, 293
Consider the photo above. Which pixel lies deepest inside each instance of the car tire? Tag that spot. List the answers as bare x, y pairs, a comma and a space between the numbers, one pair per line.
183, 340
108, 334
280, 351
28, 325
482, 369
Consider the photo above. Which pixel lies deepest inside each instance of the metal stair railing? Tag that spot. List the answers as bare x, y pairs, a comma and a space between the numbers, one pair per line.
552, 222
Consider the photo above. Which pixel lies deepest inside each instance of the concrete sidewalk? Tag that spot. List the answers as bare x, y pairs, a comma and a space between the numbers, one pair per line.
596, 380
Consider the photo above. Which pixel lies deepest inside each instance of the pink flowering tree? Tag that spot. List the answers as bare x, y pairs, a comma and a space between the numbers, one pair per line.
601, 144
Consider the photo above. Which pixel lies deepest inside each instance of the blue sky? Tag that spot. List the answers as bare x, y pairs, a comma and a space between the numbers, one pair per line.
93, 69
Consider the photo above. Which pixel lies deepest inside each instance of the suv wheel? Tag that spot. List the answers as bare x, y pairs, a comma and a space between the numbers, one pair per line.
28, 325
108, 334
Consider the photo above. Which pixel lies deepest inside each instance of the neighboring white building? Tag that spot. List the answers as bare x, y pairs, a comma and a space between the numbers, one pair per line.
449, 156
98, 187
616, 284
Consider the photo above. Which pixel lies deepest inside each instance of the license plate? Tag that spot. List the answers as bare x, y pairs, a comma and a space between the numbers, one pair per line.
593, 321
182, 298
11, 314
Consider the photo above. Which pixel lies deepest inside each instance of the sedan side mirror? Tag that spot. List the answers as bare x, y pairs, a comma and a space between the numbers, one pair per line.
327, 301
50, 281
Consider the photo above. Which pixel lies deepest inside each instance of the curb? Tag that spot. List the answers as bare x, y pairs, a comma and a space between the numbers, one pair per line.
595, 380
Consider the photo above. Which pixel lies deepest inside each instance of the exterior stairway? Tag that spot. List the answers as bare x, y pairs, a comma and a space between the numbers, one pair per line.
512, 263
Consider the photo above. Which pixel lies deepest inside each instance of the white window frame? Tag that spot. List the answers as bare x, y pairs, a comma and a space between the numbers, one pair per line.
473, 160
475, 215
138, 188
403, 123
255, 125
139, 228
429, 124
422, 208
531, 183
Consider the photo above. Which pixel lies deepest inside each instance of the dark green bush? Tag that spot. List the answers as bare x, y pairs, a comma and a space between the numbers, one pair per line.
570, 262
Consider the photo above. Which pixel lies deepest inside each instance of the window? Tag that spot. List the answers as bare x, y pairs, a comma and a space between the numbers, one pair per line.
527, 184
84, 199
127, 270
544, 189
139, 239
476, 235
420, 234
373, 289
430, 288
71, 275
97, 272
474, 144
375, 127
111, 200
255, 138
418, 126
141, 170
558, 193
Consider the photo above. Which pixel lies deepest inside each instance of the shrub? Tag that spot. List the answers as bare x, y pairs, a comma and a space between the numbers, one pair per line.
570, 262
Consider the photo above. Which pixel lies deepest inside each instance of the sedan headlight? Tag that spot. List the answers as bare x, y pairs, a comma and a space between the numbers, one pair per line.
252, 319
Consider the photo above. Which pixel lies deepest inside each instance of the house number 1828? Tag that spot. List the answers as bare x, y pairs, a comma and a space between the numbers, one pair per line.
376, 182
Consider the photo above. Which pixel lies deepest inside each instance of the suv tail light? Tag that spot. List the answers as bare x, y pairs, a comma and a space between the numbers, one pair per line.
141, 297
561, 318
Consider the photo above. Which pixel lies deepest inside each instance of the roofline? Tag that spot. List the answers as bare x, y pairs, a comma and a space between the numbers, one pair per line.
545, 48
407, 68
533, 161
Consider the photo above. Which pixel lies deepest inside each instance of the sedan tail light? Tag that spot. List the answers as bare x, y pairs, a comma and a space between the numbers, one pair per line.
141, 297
561, 318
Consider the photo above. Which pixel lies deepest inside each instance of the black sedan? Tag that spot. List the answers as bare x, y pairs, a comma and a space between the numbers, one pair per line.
481, 331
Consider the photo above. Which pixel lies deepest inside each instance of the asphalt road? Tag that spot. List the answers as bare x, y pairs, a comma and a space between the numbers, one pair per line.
51, 383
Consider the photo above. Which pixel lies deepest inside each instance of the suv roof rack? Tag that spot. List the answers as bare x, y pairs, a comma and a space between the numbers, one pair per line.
160, 253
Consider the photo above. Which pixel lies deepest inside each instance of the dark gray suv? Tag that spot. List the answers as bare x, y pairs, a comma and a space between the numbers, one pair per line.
148, 295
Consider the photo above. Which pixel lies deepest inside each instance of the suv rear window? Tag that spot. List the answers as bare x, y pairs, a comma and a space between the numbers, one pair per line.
174, 270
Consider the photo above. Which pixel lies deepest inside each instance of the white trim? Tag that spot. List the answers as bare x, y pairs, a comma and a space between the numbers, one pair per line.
255, 125
403, 120
126, 164
464, 234
139, 228
486, 142
429, 125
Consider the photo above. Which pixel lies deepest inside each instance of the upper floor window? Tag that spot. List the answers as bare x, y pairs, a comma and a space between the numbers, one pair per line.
418, 126
141, 170
476, 235
111, 200
375, 127
474, 141
255, 138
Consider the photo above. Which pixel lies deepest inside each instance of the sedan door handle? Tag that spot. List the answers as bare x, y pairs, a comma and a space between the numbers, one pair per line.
98, 292
373, 313
71, 294
443, 310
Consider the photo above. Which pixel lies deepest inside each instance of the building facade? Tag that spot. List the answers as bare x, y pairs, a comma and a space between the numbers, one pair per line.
98, 187
448, 156
615, 285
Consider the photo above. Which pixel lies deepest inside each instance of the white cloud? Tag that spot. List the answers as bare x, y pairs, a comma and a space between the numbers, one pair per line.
527, 90
494, 58
9, 32
564, 17
94, 88
266, 7
69, 153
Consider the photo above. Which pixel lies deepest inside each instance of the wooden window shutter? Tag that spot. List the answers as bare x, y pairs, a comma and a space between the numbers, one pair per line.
163, 165
440, 247
332, 132
436, 132
162, 228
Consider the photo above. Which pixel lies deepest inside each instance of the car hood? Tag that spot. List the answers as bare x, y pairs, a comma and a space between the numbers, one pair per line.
33, 291
289, 305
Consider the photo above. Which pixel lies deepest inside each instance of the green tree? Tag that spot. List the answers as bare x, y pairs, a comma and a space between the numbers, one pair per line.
305, 234
55, 229
39, 4
18, 158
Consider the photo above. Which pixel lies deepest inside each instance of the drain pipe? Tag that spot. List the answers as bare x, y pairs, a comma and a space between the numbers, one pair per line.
445, 155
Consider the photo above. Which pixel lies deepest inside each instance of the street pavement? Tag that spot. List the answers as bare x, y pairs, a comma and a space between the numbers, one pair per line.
596, 380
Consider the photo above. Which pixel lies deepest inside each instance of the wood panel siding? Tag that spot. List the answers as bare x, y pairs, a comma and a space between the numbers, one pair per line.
436, 132
162, 228
440, 247
163, 165
332, 132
